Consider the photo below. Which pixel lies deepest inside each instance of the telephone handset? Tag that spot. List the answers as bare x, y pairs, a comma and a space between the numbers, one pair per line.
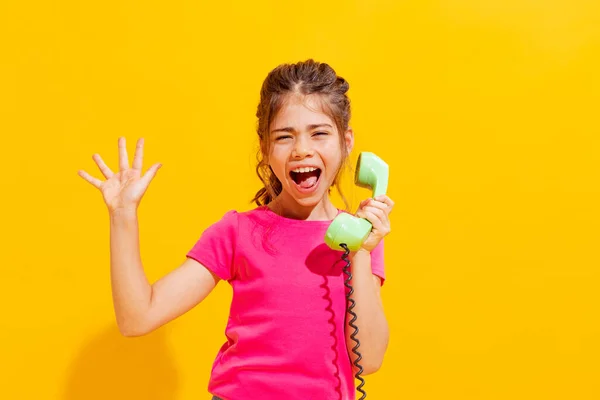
371, 173
348, 232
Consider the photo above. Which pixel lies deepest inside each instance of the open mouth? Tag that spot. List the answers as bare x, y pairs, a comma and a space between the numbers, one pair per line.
306, 179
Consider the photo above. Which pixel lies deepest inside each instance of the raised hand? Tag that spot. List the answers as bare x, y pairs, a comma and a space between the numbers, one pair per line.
123, 191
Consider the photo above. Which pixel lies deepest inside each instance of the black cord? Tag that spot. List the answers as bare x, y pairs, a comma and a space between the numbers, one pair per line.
351, 323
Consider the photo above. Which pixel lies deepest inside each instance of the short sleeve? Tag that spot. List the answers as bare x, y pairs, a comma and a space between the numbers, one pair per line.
216, 247
377, 262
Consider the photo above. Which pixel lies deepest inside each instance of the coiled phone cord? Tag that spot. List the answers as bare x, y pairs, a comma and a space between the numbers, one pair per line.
351, 323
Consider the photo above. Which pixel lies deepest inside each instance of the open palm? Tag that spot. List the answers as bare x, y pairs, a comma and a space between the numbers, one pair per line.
123, 190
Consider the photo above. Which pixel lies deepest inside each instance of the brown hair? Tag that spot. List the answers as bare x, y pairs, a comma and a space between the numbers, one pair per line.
305, 77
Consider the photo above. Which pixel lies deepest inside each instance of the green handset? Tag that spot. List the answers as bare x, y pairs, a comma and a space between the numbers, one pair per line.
347, 232
371, 173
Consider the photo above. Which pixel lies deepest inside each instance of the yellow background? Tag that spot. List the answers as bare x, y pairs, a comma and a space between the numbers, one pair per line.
486, 111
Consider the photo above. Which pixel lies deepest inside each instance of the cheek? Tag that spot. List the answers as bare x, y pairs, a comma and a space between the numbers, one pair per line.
277, 165
333, 157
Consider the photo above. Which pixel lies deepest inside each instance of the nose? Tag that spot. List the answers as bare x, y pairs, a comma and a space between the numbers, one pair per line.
302, 148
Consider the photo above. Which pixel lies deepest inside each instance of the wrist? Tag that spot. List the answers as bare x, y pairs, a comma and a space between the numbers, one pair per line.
123, 213
361, 252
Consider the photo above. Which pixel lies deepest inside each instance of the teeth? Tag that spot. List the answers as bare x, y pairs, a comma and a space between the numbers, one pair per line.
305, 169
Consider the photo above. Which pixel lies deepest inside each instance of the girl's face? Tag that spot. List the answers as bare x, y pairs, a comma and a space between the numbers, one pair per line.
305, 150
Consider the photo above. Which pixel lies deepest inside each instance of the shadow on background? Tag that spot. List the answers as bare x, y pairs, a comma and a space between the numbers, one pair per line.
328, 263
115, 367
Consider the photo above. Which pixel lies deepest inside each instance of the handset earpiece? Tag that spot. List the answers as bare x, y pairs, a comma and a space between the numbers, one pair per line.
371, 173
348, 232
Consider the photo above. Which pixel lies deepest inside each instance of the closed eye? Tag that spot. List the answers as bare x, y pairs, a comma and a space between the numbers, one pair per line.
288, 136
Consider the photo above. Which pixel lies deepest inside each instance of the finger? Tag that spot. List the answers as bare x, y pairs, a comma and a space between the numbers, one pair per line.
382, 209
150, 174
381, 214
377, 204
139, 154
123, 160
107, 172
94, 181
372, 218
365, 202
385, 199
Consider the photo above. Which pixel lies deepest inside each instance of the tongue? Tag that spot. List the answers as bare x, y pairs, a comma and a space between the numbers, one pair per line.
307, 179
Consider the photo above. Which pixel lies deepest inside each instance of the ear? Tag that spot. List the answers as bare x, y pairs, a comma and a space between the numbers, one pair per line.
349, 138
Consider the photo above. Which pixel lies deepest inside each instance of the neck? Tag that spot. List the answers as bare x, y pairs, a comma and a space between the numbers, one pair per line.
289, 208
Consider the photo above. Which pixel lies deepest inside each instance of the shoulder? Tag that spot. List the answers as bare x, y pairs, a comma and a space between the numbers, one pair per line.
228, 219
234, 219
257, 215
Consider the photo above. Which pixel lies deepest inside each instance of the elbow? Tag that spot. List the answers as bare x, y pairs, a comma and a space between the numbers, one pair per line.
374, 361
371, 368
132, 333
131, 329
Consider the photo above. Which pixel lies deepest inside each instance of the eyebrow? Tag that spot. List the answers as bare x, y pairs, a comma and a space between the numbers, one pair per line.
290, 129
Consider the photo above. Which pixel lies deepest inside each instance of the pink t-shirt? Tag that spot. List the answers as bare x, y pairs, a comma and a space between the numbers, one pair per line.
285, 333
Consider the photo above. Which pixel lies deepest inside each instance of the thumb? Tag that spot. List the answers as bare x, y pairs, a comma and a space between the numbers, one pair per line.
151, 173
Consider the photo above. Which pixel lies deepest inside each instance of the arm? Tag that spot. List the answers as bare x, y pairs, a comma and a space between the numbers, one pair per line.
373, 330
373, 333
140, 307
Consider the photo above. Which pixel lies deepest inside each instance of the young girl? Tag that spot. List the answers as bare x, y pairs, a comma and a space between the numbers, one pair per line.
287, 336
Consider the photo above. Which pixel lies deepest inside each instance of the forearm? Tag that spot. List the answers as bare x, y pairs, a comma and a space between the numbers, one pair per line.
373, 330
131, 290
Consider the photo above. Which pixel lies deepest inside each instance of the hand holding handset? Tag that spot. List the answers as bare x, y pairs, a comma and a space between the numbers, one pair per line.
347, 232
371, 173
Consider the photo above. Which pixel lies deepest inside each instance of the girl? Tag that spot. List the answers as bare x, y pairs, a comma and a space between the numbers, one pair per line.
287, 337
